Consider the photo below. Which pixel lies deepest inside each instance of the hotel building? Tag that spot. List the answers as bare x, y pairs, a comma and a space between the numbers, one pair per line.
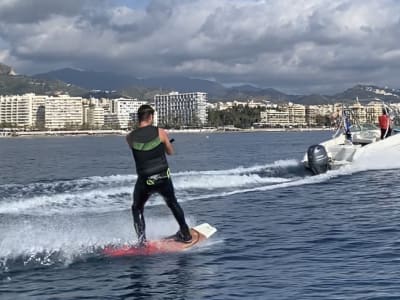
16, 110
38, 110
124, 108
311, 115
95, 117
275, 118
297, 114
22, 110
63, 111
181, 109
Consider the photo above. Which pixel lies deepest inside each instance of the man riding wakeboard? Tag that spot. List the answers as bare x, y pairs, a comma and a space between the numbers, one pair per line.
149, 145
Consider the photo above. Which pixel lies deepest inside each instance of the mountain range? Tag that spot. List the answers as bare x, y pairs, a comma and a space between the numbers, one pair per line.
85, 83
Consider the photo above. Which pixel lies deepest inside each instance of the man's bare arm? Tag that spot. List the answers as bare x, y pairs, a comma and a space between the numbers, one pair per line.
165, 139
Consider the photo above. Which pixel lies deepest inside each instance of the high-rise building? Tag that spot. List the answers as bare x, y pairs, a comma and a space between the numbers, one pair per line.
63, 112
124, 108
16, 110
38, 111
311, 115
22, 110
275, 118
95, 116
297, 114
111, 120
181, 109
26, 110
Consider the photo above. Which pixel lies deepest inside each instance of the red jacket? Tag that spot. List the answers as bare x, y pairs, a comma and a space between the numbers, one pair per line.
384, 121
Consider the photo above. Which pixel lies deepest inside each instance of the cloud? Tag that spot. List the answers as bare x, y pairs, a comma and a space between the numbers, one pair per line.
31, 11
301, 46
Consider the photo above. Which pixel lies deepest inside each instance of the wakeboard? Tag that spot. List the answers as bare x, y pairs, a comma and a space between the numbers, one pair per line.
199, 233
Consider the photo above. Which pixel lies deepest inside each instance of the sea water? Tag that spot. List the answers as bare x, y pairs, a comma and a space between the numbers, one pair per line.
282, 233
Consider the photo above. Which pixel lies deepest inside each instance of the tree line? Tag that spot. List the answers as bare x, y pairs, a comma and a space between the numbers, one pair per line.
240, 116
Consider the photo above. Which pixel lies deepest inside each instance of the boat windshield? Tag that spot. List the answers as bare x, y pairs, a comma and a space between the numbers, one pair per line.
349, 122
364, 127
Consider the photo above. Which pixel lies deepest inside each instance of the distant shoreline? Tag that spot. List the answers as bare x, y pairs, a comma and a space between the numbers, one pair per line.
228, 130
124, 132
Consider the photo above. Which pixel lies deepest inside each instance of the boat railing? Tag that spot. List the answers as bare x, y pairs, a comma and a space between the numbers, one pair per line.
392, 110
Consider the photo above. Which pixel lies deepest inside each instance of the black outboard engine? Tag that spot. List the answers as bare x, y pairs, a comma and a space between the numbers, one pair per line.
317, 159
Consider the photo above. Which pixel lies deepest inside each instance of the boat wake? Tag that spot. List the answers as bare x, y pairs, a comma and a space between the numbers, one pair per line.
113, 193
60, 222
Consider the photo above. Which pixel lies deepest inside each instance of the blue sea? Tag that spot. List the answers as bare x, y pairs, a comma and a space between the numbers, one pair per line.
282, 233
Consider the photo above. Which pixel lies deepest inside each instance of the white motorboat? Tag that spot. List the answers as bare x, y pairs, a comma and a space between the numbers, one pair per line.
343, 149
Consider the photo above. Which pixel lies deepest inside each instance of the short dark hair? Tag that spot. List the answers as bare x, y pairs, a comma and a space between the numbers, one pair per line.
144, 112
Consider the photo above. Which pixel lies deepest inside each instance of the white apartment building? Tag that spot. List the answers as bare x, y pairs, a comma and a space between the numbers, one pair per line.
38, 110
93, 113
230, 104
185, 109
63, 111
297, 114
274, 118
284, 116
22, 110
111, 120
311, 115
16, 110
124, 108
95, 116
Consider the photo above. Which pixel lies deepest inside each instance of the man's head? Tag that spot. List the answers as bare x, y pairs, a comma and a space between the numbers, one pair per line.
384, 111
145, 113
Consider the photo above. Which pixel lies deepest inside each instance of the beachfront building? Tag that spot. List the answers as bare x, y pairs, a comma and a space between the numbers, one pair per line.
222, 105
111, 121
297, 115
124, 108
22, 110
95, 117
181, 109
274, 118
16, 110
232, 104
93, 113
288, 115
311, 112
38, 111
63, 112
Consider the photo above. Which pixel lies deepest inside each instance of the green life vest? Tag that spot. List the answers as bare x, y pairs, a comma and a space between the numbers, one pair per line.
148, 151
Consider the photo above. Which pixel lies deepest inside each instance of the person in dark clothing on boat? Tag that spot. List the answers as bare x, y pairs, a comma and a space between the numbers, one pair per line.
384, 124
149, 145
347, 127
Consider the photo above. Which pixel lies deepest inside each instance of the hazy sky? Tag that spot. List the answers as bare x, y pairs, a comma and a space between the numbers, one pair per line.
293, 45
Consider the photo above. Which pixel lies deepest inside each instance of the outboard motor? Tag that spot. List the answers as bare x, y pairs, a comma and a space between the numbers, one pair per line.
317, 159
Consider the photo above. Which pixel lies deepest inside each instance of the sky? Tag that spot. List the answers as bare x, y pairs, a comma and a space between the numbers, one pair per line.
296, 46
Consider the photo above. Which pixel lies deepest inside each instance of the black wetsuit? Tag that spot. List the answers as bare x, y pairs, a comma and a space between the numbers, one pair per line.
153, 177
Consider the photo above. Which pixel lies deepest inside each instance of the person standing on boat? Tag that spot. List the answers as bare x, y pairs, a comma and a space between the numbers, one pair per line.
347, 128
149, 145
384, 124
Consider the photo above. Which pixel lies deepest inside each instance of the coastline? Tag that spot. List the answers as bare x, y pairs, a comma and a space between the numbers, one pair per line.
14, 134
247, 130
